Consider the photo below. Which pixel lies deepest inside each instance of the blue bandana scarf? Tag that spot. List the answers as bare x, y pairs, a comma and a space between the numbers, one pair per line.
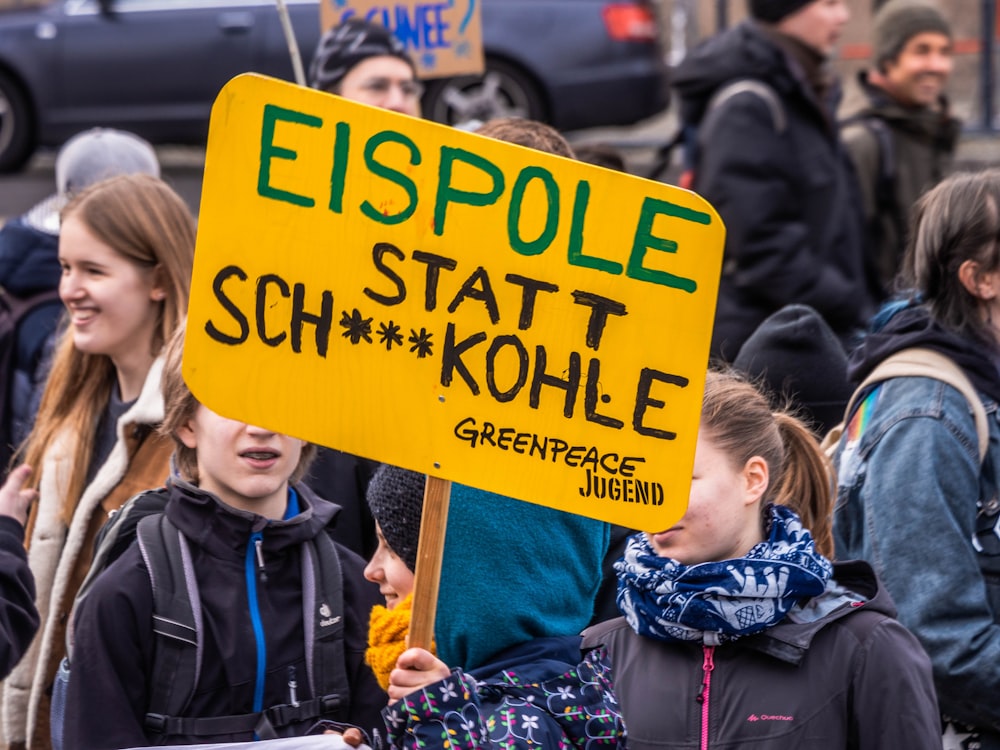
715, 602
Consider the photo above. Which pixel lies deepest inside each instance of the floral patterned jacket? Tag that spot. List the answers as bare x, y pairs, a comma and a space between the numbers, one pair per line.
521, 707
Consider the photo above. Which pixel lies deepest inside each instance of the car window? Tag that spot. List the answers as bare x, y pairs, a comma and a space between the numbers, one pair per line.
126, 6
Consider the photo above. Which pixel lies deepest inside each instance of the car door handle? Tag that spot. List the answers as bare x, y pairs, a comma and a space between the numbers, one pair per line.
235, 22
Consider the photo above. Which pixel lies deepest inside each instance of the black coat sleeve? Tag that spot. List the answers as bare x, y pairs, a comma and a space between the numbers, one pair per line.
112, 654
893, 700
342, 478
18, 615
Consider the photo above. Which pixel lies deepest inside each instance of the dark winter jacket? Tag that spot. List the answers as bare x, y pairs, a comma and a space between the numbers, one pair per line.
533, 696
29, 263
343, 478
18, 616
108, 689
921, 148
850, 678
783, 185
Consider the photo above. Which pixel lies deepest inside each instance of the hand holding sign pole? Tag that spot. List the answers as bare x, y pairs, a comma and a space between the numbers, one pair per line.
469, 309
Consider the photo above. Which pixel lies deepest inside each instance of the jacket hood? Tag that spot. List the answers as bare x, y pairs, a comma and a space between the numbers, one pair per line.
29, 258
212, 524
902, 325
933, 125
513, 572
854, 586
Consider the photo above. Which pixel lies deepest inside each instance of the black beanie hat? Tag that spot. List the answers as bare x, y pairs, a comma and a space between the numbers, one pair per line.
773, 11
796, 355
347, 44
898, 21
396, 499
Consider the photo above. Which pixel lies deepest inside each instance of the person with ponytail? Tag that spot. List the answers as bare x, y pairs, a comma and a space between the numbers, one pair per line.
126, 247
737, 630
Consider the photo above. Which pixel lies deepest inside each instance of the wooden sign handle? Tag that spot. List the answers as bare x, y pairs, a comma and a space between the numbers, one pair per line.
430, 551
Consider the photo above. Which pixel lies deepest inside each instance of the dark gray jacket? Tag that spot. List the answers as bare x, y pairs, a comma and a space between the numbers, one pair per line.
852, 678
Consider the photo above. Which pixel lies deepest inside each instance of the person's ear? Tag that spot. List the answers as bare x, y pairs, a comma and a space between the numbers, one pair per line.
756, 477
158, 293
981, 285
187, 435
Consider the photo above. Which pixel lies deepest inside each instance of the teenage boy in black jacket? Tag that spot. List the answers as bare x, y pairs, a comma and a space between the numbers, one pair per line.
246, 523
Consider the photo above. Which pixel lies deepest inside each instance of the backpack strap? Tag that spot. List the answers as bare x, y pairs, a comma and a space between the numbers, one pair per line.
177, 653
323, 617
885, 185
921, 363
886, 201
113, 538
713, 112
177, 622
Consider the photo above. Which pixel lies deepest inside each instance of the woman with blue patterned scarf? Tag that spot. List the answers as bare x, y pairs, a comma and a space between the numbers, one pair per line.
737, 631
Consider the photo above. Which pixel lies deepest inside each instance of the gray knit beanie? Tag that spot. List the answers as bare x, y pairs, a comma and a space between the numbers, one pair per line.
396, 499
898, 21
772, 11
100, 153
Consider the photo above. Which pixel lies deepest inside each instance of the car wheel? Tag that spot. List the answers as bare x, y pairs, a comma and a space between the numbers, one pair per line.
16, 143
503, 91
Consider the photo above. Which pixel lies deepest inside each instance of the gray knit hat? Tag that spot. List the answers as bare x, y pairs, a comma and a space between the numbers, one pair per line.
772, 11
396, 499
100, 153
898, 21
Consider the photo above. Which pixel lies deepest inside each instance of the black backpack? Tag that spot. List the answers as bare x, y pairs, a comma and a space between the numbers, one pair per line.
885, 182
16, 353
691, 137
177, 653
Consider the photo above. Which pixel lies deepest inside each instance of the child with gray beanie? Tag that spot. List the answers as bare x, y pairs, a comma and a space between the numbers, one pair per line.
518, 583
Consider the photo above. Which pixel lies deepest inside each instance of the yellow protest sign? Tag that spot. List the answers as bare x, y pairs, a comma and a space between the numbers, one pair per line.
444, 38
478, 311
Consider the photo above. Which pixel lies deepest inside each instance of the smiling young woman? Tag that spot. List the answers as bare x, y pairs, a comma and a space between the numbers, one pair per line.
126, 250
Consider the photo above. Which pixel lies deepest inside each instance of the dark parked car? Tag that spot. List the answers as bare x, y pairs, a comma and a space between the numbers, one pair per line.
155, 66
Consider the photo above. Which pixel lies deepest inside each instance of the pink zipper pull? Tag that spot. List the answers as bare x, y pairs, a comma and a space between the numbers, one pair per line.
706, 668
704, 693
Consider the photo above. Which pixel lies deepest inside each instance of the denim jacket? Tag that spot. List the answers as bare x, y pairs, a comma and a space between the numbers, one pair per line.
913, 500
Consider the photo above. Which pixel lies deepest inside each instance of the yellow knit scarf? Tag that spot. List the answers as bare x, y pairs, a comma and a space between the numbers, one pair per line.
387, 631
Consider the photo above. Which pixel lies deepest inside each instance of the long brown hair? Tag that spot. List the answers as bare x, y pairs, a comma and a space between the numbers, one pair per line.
739, 420
144, 220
